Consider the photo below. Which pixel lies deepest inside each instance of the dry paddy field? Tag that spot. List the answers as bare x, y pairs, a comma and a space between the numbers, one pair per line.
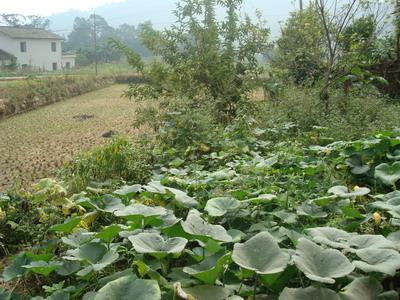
34, 144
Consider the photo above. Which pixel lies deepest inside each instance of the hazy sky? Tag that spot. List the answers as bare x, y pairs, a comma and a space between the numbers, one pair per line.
49, 7
117, 12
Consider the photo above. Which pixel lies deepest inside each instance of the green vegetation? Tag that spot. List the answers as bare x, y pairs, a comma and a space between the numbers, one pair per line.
22, 96
225, 196
32, 149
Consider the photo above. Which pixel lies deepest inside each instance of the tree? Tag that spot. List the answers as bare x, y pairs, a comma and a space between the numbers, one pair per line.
81, 40
339, 18
17, 20
300, 47
206, 59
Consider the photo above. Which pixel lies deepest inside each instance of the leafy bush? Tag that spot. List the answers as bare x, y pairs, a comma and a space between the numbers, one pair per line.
300, 47
351, 117
118, 160
204, 56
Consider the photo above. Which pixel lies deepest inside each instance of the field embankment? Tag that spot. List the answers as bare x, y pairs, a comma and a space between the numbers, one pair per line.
34, 143
21, 96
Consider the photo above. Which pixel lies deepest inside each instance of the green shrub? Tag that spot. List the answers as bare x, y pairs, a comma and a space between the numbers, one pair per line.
351, 117
118, 160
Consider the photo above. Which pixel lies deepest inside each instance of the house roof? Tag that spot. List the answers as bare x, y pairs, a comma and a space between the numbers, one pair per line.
28, 33
5, 55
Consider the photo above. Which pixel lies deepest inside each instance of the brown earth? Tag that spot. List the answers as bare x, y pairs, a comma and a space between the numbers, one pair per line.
34, 144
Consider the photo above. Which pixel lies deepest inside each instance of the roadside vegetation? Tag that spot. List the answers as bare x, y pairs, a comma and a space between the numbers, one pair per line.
294, 196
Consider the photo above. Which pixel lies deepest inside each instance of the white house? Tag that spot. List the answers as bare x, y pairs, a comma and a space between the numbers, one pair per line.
34, 48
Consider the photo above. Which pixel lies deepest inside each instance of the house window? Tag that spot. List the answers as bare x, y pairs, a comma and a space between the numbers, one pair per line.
23, 46
54, 66
54, 47
68, 65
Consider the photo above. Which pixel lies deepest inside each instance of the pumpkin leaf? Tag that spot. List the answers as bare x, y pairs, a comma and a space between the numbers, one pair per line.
361, 289
210, 268
218, 207
261, 254
385, 261
388, 174
308, 293
67, 226
200, 229
128, 288
154, 244
319, 264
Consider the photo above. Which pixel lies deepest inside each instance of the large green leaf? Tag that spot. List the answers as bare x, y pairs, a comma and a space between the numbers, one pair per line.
154, 244
388, 174
207, 292
77, 238
16, 269
109, 233
394, 237
321, 264
137, 211
112, 204
395, 155
370, 241
97, 255
311, 210
200, 229
218, 207
67, 226
385, 261
181, 198
310, 293
329, 236
356, 164
343, 192
210, 268
129, 288
42, 267
261, 254
363, 288
128, 190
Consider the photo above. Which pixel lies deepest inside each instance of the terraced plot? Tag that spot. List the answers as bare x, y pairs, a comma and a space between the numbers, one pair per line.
33, 144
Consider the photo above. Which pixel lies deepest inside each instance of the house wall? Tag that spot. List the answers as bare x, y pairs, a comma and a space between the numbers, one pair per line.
68, 58
38, 52
7, 44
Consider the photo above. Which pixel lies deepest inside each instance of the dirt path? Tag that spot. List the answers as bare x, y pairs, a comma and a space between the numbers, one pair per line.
35, 143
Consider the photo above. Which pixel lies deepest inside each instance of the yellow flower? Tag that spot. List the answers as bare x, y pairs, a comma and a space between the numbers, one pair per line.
204, 148
43, 217
377, 218
356, 187
88, 220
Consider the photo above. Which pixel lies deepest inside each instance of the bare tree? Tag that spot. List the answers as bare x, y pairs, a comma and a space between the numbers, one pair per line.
336, 16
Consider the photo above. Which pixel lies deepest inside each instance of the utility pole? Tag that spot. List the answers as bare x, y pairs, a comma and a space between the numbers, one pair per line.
95, 42
301, 5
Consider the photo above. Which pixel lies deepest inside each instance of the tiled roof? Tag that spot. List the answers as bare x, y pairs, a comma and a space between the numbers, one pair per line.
28, 33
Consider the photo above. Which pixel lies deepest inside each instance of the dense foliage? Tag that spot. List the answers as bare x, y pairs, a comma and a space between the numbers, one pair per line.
228, 197
204, 58
250, 216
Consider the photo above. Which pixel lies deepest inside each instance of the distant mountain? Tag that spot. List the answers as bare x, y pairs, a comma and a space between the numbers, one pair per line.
160, 13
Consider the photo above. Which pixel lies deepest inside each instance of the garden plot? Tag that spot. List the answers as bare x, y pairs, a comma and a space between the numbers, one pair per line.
35, 143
